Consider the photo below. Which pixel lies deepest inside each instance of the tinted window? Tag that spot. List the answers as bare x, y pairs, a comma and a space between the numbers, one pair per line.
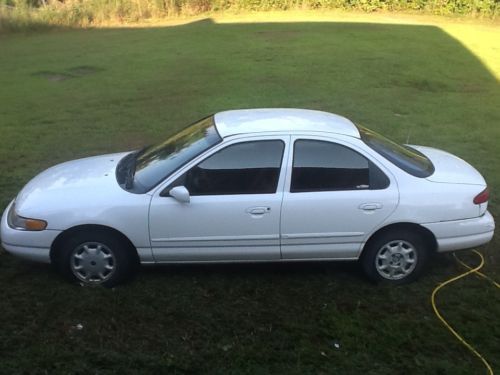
155, 163
243, 168
326, 166
405, 157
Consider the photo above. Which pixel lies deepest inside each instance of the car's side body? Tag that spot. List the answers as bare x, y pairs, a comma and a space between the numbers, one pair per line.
279, 226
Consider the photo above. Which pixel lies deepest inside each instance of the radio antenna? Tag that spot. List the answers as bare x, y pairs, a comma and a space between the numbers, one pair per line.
409, 134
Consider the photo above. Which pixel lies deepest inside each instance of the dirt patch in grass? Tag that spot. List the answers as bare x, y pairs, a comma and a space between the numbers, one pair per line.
53, 76
427, 85
74, 72
83, 70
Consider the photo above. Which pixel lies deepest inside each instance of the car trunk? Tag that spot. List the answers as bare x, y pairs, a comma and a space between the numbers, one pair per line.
450, 169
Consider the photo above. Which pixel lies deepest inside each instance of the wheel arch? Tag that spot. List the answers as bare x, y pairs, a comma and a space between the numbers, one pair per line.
427, 235
66, 234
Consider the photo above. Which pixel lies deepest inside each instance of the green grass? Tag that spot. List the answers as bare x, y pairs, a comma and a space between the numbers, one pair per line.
69, 94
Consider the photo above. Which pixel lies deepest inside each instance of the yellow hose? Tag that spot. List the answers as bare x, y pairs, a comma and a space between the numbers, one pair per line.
471, 270
477, 272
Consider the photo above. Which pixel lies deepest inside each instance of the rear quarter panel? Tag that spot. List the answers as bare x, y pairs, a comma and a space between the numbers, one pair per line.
423, 201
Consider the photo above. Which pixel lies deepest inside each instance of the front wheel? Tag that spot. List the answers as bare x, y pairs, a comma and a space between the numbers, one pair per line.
395, 257
96, 258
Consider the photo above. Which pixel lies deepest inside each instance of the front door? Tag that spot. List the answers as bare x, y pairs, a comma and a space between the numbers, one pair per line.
234, 210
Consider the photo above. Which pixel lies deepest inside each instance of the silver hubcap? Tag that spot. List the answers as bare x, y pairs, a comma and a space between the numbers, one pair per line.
92, 262
396, 260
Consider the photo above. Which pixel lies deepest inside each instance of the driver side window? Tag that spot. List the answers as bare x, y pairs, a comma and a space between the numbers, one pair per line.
242, 168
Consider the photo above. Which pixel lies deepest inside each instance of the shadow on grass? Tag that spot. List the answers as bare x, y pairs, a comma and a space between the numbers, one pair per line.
256, 270
338, 271
68, 94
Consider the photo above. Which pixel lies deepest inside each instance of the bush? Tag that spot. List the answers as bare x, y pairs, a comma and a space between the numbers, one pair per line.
23, 14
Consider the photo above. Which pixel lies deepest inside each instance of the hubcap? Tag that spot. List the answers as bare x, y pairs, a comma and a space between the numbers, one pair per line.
396, 260
92, 262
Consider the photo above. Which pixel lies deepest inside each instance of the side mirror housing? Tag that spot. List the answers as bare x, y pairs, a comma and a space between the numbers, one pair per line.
180, 193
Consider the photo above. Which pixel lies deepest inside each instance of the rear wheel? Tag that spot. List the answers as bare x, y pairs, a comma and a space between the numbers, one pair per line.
96, 258
395, 257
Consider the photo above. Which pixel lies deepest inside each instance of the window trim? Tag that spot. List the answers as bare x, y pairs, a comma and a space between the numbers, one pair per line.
337, 143
165, 191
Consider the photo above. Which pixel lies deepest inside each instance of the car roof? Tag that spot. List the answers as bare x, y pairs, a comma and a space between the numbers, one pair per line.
288, 120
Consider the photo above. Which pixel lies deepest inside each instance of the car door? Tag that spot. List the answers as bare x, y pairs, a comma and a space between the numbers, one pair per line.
234, 208
335, 196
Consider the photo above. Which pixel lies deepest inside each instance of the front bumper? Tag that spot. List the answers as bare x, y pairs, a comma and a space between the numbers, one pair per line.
463, 234
31, 245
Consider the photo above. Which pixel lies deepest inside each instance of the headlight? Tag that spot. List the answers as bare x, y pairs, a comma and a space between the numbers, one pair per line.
23, 223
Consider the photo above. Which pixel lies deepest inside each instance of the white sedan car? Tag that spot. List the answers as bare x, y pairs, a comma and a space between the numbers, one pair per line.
250, 186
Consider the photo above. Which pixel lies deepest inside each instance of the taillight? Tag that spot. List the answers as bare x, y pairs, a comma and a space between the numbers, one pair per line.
482, 197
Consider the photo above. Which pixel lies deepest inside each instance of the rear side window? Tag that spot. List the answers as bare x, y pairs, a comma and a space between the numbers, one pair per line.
326, 166
243, 168
408, 159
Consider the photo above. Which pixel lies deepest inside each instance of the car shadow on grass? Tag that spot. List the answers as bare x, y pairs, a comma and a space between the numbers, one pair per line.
439, 265
254, 269
336, 271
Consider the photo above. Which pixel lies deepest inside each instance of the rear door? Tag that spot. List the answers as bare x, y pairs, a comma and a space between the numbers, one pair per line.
335, 196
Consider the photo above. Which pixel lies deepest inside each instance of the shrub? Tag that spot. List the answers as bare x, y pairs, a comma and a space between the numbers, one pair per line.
25, 14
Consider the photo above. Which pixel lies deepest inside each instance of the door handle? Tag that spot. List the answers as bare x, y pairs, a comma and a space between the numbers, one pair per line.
370, 206
258, 210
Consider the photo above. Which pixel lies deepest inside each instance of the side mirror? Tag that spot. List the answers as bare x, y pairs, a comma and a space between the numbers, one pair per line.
180, 193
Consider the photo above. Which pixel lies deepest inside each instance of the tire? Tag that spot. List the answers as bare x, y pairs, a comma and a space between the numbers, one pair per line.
97, 258
396, 257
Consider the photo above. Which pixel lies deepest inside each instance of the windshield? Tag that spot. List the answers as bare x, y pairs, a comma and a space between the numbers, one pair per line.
154, 163
405, 157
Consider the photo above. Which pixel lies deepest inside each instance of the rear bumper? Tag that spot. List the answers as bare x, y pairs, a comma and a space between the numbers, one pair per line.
31, 245
463, 234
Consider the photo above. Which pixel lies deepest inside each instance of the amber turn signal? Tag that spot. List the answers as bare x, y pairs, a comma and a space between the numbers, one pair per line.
33, 224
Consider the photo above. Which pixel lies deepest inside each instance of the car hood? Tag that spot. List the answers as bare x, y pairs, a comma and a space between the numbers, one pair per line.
450, 168
78, 180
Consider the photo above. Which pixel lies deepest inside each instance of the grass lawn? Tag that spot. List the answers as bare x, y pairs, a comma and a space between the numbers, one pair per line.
66, 94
